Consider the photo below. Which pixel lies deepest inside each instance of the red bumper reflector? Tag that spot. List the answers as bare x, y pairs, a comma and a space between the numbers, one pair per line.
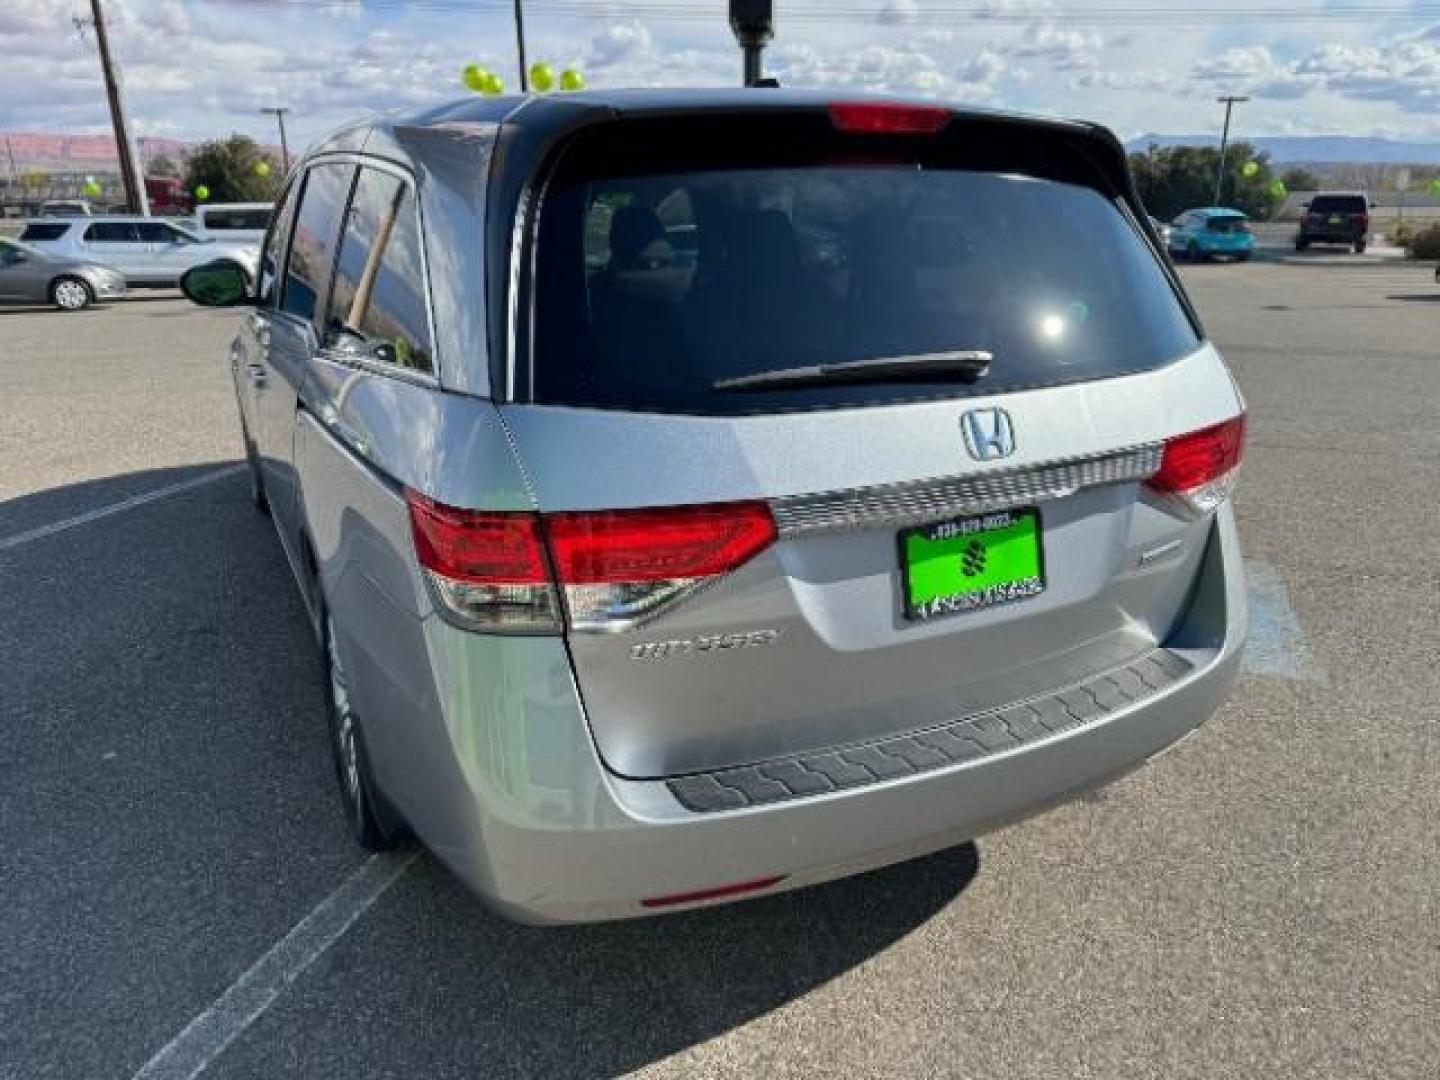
737, 889
879, 118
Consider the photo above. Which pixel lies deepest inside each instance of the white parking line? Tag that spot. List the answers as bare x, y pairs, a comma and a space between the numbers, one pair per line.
117, 508
1277, 645
206, 1037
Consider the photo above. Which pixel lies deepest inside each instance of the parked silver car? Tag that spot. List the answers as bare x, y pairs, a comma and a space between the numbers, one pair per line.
148, 251
235, 222
28, 275
698, 495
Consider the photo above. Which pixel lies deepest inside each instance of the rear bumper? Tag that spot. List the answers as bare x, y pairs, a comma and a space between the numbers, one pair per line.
592, 846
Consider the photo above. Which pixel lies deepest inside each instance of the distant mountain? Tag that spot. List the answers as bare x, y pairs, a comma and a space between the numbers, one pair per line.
59, 152
1313, 149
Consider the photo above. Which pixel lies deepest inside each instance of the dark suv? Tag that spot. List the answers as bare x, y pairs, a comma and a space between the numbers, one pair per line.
1335, 217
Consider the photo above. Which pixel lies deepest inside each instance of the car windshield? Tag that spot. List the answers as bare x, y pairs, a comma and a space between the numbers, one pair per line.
656, 287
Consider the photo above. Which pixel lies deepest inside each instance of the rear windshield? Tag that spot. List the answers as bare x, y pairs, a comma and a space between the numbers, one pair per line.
1226, 225
654, 281
1339, 204
236, 220
44, 230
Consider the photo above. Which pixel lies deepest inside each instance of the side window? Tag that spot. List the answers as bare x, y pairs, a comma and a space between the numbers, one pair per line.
155, 232
312, 247
112, 232
275, 245
378, 305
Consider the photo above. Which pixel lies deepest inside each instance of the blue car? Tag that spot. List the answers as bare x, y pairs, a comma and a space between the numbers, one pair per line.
1210, 233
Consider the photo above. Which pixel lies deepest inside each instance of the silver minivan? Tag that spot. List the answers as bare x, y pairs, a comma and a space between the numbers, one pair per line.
703, 494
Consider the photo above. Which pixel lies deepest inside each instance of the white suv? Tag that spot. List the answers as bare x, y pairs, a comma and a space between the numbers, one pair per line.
148, 251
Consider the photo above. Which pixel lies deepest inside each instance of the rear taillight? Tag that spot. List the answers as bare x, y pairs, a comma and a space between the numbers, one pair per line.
1199, 469
504, 571
488, 570
1364, 220
881, 118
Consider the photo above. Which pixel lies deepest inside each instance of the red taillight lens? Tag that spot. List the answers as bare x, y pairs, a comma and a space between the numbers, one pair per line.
493, 570
740, 888
630, 546
1200, 467
1364, 221
478, 547
877, 118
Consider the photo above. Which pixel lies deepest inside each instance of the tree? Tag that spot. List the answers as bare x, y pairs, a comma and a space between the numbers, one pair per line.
162, 165
1297, 179
1173, 179
227, 168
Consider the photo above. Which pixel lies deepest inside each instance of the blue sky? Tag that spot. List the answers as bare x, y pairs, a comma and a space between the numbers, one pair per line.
199, 68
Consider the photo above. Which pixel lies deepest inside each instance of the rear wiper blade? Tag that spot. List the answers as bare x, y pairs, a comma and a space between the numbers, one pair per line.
968, 364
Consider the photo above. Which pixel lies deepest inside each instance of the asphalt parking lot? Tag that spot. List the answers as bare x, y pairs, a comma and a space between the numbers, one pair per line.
1260, 903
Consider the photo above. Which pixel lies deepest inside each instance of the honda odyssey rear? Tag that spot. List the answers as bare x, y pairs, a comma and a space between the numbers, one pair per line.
792, 487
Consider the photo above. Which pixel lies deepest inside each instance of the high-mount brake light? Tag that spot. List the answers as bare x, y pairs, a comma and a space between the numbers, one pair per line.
881, 118
506, 571
1200, 468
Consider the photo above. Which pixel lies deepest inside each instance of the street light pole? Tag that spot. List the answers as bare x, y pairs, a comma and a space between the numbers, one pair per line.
752, 22
279, 111
520, 46
1229, 101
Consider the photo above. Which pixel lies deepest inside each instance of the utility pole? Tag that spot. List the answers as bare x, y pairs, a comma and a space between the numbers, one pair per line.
752, 22
130, 173
1229, 101
279, 111
520, 47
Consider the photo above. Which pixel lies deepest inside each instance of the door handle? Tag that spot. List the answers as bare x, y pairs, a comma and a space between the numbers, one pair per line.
256, 373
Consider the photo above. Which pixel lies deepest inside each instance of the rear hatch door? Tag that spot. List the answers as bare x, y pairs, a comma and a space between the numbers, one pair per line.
943, 543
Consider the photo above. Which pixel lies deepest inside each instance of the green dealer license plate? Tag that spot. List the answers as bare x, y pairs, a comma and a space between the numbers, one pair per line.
970, 563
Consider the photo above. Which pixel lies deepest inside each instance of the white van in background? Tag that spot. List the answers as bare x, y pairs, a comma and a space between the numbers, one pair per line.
240, 222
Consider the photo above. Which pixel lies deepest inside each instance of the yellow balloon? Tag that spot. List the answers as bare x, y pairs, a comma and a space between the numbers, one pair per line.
493, 84
474, 76
92, 189
1277, 189
1250, 168
570, 79
202, 192
262, 169
542, 77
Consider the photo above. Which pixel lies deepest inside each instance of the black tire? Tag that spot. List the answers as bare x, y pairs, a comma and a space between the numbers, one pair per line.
70, 293
1359, 247
1243, 256
1301, 245
1193, 254
373, 822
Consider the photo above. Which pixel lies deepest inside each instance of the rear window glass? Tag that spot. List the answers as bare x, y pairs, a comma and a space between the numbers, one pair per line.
236, 220
44, 230
1339, 204
654, 284
1226, 225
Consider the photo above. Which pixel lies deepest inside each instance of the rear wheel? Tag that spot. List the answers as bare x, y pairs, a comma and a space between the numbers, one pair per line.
370, 821
1359, 247
1301, 245
1193, 253
71, 294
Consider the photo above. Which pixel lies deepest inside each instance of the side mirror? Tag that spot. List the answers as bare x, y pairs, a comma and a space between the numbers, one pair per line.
216, 284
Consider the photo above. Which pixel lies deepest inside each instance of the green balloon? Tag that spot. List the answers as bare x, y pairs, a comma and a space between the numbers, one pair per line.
474, 76
542, 77
202, 192
1278, 189
1435, 188
1249, 169
262, 169
493, 84
92, 189
570, 79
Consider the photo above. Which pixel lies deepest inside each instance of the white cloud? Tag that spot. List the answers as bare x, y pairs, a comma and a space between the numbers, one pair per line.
618, 43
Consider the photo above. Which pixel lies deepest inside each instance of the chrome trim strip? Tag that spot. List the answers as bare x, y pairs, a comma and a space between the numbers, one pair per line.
922, 501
